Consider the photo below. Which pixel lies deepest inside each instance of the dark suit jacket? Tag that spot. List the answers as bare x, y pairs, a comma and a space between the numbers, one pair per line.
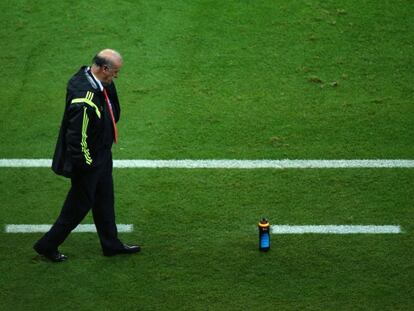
86, 133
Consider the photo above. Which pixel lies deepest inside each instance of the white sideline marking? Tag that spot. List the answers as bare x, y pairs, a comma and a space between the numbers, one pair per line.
332, 229
45, 228
230, 164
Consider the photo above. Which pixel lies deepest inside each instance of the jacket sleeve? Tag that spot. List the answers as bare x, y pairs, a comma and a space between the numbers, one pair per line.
81, 114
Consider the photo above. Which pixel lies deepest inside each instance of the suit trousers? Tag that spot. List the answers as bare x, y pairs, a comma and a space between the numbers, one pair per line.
91, 189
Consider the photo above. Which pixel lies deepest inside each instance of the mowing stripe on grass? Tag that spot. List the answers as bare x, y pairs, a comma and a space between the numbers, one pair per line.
31, 228
333, 229
230, 164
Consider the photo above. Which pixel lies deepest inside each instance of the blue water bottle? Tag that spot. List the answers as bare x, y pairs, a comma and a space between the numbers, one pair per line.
264, 235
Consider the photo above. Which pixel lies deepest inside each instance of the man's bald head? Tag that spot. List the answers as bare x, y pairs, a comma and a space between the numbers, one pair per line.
106, 65
107, 57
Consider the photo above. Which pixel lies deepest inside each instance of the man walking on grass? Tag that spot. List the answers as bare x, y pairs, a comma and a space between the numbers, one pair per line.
83, 154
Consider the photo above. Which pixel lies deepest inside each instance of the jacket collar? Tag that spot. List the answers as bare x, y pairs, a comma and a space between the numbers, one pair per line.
95, 83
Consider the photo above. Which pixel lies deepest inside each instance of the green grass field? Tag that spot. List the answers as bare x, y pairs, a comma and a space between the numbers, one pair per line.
218, 80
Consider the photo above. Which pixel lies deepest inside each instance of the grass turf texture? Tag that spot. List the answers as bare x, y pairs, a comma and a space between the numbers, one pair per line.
213, 79
200, 243
210, 79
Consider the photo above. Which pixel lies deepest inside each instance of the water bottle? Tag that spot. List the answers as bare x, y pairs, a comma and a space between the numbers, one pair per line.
264, 235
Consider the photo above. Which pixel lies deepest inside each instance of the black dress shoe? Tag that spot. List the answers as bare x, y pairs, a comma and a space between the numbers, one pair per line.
54, 256
126, 249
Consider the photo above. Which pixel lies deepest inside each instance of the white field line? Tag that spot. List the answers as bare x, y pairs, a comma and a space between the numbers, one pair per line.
275, 229
230, 164
333, 229
32, 228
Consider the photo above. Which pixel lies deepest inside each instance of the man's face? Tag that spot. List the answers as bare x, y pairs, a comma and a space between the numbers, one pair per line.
110, 73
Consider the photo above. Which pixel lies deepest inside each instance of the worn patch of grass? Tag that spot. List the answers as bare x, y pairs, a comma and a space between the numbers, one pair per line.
217, 79
210, 79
